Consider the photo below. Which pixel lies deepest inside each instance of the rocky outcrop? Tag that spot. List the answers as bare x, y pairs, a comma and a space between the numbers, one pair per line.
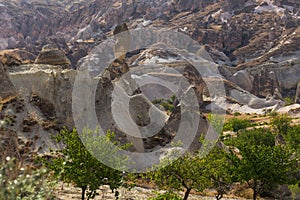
51, 55
6, 87
265, 83
234, 28
230, 5
46, 89
243, 79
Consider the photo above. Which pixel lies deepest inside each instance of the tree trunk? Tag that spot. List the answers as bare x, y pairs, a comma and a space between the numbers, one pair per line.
219, 196
186, 194
83, 193
254, 194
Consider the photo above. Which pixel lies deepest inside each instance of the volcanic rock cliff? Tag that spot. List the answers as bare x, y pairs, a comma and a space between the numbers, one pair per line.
254, 44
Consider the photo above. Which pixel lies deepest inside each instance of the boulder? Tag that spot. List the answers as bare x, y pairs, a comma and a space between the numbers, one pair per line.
243, 79
265, 83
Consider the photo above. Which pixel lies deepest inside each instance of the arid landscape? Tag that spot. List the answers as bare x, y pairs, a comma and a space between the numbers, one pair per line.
215, 83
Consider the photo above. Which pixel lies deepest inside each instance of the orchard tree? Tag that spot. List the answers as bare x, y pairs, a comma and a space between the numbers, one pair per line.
196, 171
78, 166
219, 170
259, 162
187, 172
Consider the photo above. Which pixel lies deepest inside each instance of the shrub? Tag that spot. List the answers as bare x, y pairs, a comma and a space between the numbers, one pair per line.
281, 123
235, 124
273, 114
169, 195
288, 101
18, 183
237, 114
168, 104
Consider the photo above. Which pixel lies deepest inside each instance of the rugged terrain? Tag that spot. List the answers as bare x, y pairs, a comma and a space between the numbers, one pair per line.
252, 48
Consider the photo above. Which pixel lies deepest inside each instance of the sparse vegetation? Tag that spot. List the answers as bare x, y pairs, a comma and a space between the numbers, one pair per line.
78, 166
288, 101
250, 157
167, 105
235, 124
169, 195
19, 183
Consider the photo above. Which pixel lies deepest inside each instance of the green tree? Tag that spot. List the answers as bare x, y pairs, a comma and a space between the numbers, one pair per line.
219, 170
281, 123
78, 166
259, 162
187, 172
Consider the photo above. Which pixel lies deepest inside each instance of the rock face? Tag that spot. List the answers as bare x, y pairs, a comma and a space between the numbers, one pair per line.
255, 48
230, 5
244, 31
265, 83
47, 89
297, 96
243, 79
6, 87
52, 56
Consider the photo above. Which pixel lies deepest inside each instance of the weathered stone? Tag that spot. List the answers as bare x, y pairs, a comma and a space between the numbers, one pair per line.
265, 83
242, 78
297, 96
7, 89
52, 56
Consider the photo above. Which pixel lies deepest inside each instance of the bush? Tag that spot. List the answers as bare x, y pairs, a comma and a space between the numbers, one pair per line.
237, 114
18, 183
273, 114
292, 138
288, 101
281, 123
235, 124
169, 195
168, 105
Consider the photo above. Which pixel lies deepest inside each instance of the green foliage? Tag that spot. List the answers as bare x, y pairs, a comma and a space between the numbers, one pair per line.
259, 162
288, 101
220, 171
237, 114
78, 166
281, 123
292, 138
169, 195
294, 189
273, 114
187, 172
168, 104
216, 121
235, 124
18, 183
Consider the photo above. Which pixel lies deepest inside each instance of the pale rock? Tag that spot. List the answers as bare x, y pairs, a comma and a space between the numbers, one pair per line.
242, 78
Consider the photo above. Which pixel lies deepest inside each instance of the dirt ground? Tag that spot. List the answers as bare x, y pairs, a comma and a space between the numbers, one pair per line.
137, 193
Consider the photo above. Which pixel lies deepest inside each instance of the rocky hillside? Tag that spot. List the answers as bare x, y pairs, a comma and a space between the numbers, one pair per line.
254, 44
245, 31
